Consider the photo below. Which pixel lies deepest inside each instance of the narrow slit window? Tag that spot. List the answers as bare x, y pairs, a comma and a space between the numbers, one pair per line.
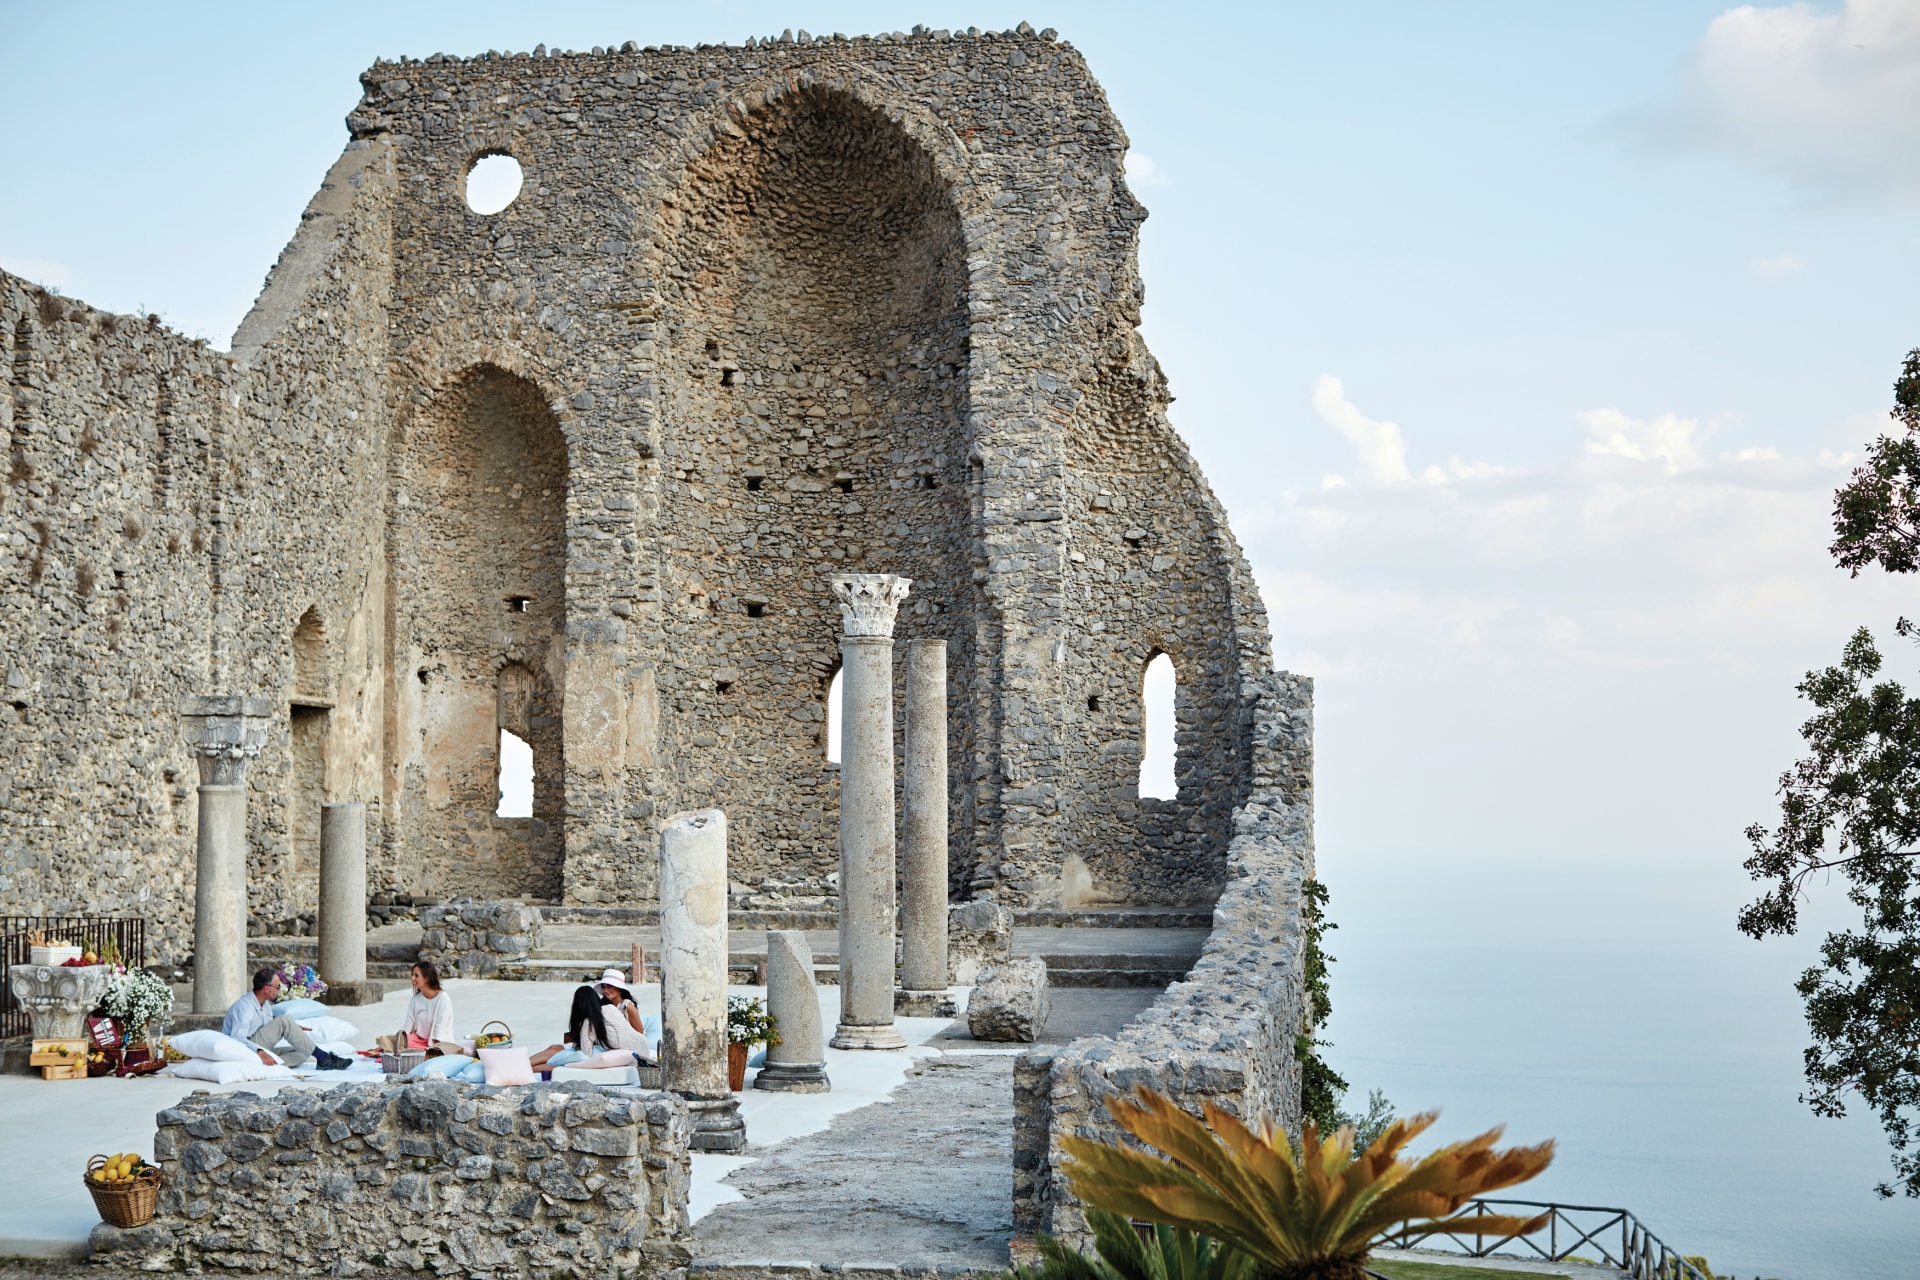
833, 719
1158, 689
516, 777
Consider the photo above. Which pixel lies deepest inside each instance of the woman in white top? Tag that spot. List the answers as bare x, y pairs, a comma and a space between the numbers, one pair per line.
625, 1027
588, 1031
429, 1020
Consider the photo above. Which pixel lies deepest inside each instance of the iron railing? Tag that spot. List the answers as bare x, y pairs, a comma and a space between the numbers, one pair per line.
128, 934
1573, 1231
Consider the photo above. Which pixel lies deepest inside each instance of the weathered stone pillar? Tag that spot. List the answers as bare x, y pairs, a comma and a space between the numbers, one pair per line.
225, 732
923, 845
343, 902
798, 1064
868, 602
693, 976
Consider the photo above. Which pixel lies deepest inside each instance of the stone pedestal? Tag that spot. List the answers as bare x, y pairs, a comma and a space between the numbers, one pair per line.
798, 1064
868, 602
225, 732
57, 998
693, 976
923, 845
343, 893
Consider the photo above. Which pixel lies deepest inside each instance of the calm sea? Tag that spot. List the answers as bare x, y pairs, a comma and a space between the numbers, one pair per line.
1616, 1010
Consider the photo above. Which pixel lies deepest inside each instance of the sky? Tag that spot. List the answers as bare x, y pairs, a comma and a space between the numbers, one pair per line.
1525, 344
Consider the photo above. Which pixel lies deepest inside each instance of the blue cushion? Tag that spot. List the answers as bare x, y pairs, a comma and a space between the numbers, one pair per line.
446, 1064
301, 1009
474, 1072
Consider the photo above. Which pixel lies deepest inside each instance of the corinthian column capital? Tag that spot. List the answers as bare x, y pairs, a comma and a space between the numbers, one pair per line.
869, 601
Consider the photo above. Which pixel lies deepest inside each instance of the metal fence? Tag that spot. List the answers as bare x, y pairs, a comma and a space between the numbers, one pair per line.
1582, 1233
128, 934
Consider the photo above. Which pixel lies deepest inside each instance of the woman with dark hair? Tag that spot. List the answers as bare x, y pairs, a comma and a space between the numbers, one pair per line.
429, 1021
586, 1032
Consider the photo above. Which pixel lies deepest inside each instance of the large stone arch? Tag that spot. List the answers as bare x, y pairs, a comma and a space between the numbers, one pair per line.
477, 554
814, 358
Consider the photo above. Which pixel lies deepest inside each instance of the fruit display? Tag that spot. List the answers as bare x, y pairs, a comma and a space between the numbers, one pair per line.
125, 1167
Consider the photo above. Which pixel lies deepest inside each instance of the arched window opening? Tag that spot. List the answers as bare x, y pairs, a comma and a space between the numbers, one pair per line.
1157, 751
516, 777
833, 719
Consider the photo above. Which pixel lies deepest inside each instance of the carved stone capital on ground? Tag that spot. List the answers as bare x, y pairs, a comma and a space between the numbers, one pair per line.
225, 731
57, 997
869, 601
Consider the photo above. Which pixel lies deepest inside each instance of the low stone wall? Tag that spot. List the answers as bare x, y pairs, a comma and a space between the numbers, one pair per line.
473, 939
1225, 1035
458, 1180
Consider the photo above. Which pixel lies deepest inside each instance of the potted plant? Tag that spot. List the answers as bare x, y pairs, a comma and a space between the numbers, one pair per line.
748, 1024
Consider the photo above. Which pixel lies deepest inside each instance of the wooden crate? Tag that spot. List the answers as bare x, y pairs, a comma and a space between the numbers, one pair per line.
47, 1053
68, 1072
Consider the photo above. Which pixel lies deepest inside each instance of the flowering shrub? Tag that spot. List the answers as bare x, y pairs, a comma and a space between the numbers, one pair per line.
136, 998
748, 1022
301, 982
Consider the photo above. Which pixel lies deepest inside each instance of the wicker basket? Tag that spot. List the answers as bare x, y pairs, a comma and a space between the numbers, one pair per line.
489, 1040
398, 1064
124, 1204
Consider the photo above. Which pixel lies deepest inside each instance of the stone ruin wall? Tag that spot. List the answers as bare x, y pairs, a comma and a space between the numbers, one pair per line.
1225, 1034
583, 466
168, 516
430, 1177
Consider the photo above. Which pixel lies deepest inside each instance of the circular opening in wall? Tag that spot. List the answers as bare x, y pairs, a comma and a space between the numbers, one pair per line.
492, 183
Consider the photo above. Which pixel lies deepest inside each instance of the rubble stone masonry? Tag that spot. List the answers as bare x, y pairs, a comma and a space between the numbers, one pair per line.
579, 471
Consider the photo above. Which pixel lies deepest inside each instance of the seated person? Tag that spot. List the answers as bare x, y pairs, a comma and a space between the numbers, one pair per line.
251, 1019
625, 1026
586, 1033
428, 1023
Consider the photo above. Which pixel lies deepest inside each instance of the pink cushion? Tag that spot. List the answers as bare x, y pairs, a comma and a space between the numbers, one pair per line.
601, 1061
506, 1066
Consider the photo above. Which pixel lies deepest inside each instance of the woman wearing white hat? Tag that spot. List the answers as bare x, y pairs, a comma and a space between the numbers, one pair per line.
625, 1027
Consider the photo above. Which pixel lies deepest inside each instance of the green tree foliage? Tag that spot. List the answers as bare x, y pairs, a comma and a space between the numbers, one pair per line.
1851, 808
1321, 1087
1876, 514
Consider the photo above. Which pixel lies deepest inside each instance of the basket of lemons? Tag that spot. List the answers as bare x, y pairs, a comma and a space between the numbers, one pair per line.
124, 1188
492, 1039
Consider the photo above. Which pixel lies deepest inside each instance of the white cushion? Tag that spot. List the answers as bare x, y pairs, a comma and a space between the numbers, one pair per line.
629, 1075
233, 1072
507, 1066
328, 1028
214, 1046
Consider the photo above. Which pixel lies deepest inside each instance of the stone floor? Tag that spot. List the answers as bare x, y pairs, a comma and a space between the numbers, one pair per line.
925, 1176
952, 1197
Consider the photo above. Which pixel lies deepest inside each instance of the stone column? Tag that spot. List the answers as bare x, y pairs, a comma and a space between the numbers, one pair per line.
343, 903
693, 976
868, 602
923, 845
225, 732
798, 1064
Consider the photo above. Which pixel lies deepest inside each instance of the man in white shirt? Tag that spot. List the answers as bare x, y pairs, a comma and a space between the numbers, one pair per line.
251, 1019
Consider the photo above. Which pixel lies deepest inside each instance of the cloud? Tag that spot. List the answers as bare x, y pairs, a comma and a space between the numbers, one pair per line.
1667, 439
1381, 449
1827, 101
1143, 171
54, 275
1383, 454
1639, 547
1785, 264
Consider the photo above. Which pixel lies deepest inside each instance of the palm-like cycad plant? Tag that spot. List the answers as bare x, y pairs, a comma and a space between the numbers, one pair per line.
1313, 1217
1172, 1253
